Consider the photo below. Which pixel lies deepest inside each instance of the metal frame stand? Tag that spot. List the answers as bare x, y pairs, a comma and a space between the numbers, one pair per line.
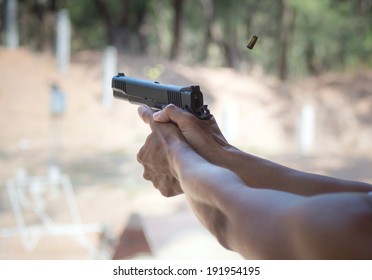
29, 195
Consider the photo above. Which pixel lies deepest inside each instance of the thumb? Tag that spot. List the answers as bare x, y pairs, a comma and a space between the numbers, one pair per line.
171, 113
145, 113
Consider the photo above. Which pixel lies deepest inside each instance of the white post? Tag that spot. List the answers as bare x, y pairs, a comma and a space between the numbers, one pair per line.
307, 129
231, 122
11, 26
63, 40
110, 66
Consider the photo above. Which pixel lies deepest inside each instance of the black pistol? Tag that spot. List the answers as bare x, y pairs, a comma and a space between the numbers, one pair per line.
158, 96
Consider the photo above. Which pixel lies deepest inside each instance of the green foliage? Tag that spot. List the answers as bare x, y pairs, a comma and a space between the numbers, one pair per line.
323, 35
88, 31
159, 35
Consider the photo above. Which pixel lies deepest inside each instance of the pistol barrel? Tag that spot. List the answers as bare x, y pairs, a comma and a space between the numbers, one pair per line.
158, 96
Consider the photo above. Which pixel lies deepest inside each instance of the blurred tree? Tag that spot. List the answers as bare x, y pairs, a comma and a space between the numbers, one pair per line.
314, 31
37, 23
286, 21
228, 38
177, 29
223, 21
209, 17
363, 14
88, 31
330, 34
296, 38
125, 23
2, 16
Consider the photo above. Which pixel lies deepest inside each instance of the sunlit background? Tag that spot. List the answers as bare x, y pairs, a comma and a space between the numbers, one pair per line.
70, 184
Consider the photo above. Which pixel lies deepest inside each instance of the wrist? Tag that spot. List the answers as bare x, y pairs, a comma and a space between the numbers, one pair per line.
178, 156
229, 157
249, 168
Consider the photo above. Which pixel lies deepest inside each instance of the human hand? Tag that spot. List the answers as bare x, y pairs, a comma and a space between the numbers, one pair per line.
204, 136
156, 154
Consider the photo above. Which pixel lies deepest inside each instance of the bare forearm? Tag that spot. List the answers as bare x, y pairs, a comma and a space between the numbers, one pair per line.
260, 173
207, 140
241, 218
271, 224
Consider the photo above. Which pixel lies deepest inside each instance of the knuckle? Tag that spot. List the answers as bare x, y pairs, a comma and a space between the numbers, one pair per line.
169, 192
170, 108
147, 175
166, 193
140, 155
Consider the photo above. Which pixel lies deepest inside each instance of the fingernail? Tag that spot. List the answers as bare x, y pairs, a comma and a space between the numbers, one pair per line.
156, 115
140, 109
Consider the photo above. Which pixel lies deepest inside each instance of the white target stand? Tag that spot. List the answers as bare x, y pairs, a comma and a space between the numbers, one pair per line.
31, 196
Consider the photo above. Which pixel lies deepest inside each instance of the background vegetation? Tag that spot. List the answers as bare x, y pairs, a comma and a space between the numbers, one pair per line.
296, 38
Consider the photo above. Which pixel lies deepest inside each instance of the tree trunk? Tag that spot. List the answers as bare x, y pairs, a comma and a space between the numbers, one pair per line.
209, 18
225, 39
141, 22
107, 19
310, 58
2, 16
230, 49
177, 30
286, 27
119, 25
